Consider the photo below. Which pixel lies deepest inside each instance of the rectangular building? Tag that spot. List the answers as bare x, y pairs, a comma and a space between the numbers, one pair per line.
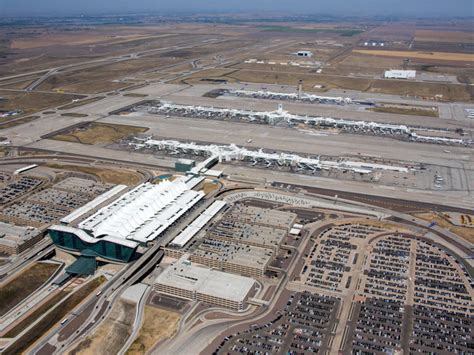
197, 283
14, 239
256, 226
400, 74
247, 260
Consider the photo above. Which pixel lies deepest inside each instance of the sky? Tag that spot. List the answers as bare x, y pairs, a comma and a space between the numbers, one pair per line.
336, 7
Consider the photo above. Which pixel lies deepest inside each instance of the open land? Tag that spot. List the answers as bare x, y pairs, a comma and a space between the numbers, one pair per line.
54, 311
158, 324
346, 197
456, 57
97, 133
105, 175
109, 337
24, 285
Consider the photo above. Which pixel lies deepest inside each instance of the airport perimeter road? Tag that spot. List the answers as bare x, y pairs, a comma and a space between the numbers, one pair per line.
459, 199
24, 259
111, 291
140, 310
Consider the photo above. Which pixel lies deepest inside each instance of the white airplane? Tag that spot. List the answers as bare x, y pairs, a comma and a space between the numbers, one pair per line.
249, 141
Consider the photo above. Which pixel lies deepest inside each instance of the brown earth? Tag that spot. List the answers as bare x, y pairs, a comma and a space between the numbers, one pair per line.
99, 133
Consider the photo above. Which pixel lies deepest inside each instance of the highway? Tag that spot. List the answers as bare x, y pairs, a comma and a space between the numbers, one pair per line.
26, 258
110, 293
140, 309
96, 309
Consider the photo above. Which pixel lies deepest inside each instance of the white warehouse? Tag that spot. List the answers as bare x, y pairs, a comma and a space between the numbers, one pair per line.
400, 74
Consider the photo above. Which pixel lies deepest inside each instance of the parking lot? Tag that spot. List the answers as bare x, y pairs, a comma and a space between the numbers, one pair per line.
18, 188
303, 326
411, 282
337, 249
51, 204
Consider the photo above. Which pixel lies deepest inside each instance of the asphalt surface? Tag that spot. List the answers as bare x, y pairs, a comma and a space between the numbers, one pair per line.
394, 204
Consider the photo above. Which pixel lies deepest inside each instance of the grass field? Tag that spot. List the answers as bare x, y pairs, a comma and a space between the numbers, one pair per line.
102, 78
444, 36
22, 286
16, 84
110, 176
36, 314
454, 92
55, 313
112, 334
135, 95
30, 102
18, 122
74, 114
345, 32
445, 56
99, 133
405, 111
81, 103
158, 324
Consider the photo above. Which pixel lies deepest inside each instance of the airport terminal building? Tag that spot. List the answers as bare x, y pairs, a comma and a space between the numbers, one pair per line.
136, 218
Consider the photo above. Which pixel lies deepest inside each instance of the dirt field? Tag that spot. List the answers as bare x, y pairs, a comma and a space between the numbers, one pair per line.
466, 233
355, 63
99, 133
397, 31
450, 92
76, 39
444, 36
454, 57
112, 334
32, 102
22, 286
209, 187
102, 78
158, 324
110, 176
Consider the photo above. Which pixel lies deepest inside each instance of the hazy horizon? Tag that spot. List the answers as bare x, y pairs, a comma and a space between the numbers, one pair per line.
420, 8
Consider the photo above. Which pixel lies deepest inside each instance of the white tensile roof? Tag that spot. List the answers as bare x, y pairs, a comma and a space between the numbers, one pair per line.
143, 213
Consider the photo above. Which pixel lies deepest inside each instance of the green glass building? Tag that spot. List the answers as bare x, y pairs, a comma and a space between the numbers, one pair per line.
78, 240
